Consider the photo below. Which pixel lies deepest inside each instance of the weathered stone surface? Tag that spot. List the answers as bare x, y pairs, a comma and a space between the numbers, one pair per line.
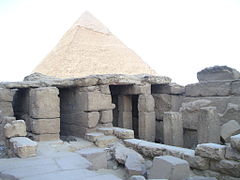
203, 89
209, 125
106, 116
6, 95
45, 126
211, 151
147, 125
15, 128
123, 133
235, 90
137, 178
136, 89
105, 89
105, 141
226, 167
135, 165
133, 143
200, 178
170, 168
6, 108
74, 130
44, 137
232, 154
125, 119
217, 73
23, 147
190, 138
96, 156
85, 119
229, 129
125, 103
195, 105
159, 132
39, 76
196, 162
146, 103
93, 136
235, 142
166, 102
44, 103
105, 130
173, 128
232, 112
172, 88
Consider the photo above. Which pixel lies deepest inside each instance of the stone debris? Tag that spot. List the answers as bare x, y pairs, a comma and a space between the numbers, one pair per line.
97, 156
169, 167
105, 141
135, 165
137, 178
235, 142
229, 129
23, 147
123, 133
211, 151
15, 128
92, 137
106, 131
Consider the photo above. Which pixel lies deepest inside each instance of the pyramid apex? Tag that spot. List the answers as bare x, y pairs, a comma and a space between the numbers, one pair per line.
87, 20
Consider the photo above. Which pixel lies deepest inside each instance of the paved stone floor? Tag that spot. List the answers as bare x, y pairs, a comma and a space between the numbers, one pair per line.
55, 161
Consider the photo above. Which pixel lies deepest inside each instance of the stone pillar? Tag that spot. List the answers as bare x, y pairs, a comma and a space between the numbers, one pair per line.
147, 120
44, 111
6, 98
208, 125
125, 111
173, 128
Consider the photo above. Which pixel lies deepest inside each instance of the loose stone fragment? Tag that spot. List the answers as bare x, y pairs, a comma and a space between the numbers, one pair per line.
15, 128
211, 151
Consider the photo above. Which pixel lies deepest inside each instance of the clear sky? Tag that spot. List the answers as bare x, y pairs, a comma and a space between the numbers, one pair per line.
177, 38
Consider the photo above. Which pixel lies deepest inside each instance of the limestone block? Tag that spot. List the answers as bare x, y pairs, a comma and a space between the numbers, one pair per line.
105, 141
94, 101
190, 138
23, 147
74, 130
200, 178
166, 102
106, 116
169, 167
132, 143
211, 151
45, 126
173, 128
226, 167
84, 119
159, 131
235, 90
6, 95
137, 178
44, 103
232, 154
209, 126
92, 137
203, 89
44, 137
231, 112
124, 103
96, 156
105, 130
196, 162
172, 88
136, 89
145, 103
105, 89
6, 108
217, 73
3, 121
123, 133
15, 128
147, 125
125, 119
235, 142
229, 129
135, 165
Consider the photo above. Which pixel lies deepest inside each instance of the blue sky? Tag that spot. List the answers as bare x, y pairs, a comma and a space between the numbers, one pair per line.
176, 38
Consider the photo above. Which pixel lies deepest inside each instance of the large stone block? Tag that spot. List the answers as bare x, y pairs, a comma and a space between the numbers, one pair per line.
135, 165
232, 112
97, 156
44, 103
23, 147
44, 137
235, 142
106, 116
173, 128
166, 102
168, 167
218, 73
145, 103
74, 130
232, 154
190, 138
125, 119
136, 89
159, 131
196, 162
226, 167
123, 133
6, 95
211, 151
172, 88
209, 125
15, 128
147, 125
85, 119
125, 103
229, 129
203, 89
45, 126
6, 108
235, 90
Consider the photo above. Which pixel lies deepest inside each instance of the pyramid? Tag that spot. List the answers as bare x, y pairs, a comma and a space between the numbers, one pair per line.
89, 48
